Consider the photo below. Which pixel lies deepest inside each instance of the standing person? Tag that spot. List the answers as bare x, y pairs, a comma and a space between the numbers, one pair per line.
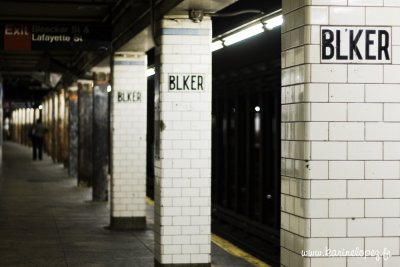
37, 133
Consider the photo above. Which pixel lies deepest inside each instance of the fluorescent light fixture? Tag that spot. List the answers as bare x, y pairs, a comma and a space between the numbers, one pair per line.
257, 26
40, 107
150, 72
216, 45
274, 22
243, 34
109, 88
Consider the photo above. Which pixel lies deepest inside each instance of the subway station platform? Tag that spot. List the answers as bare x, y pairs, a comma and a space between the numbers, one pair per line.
46, 220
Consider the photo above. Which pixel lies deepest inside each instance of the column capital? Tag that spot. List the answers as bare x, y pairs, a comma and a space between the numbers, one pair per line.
101, 69
73, 88
82, 82
129, 54
101, 75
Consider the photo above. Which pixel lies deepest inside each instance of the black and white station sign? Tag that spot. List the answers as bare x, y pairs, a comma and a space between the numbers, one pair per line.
366, 45
186, 82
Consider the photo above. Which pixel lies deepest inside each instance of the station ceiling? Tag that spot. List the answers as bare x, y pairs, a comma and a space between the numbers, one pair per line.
120, 18
26, 71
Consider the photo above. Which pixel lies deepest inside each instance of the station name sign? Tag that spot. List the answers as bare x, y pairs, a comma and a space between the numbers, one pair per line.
366, 45
131, 96
186, 82
44, 36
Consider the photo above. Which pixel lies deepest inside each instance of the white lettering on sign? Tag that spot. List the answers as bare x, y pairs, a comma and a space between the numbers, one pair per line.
56, 29
186, 82
16, 30
368, 45
50, 38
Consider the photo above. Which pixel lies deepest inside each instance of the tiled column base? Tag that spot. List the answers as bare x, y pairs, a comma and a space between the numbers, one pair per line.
157, 264
128, 223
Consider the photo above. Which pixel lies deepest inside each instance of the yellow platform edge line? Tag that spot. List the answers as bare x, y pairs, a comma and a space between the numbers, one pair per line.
229, 247
149, 201
235, 251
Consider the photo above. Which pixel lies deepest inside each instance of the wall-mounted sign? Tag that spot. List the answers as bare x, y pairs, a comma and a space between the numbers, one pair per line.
131, 96
186, 82
367, 45
41, 36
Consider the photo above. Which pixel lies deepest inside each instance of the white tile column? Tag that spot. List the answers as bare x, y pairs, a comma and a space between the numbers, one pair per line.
183, 143
340, 133
128, 124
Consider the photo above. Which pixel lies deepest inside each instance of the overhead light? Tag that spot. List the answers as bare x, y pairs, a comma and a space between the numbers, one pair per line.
40, 107
269, 21
216, 45
243, 34
274, 22
150, 72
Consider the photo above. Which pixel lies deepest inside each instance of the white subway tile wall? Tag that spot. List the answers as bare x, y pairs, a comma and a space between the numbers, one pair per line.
348, 165
128, 124
183, 170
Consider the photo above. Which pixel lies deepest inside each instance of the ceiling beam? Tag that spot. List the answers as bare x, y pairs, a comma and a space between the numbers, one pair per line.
126, 28
76, 20
62, 2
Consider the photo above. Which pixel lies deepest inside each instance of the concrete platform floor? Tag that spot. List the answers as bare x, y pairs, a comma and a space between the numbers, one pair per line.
46, 220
